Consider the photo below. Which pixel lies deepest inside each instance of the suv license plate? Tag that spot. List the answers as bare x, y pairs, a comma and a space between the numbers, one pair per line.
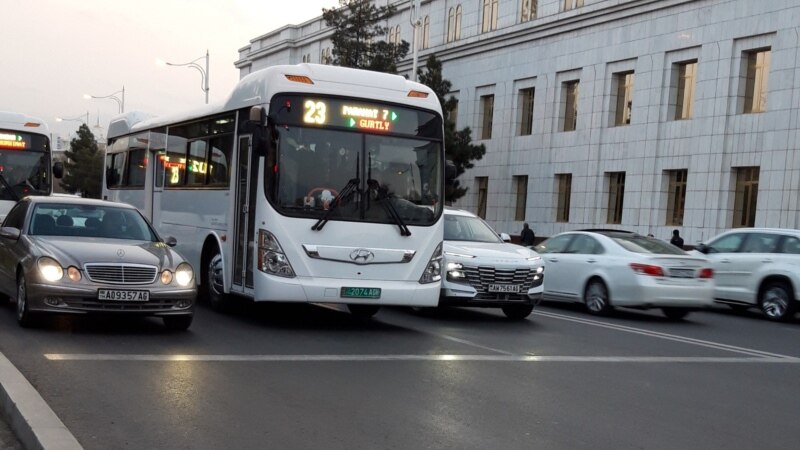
360, 292
508, 288
123, 296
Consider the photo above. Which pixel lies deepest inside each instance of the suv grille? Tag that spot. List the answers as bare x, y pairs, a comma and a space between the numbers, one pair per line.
481, 277
121, 273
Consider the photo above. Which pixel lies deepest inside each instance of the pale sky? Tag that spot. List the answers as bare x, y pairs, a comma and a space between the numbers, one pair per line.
52, 52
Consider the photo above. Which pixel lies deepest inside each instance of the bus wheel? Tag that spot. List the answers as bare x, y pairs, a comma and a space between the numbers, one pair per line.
213, 286
363, 311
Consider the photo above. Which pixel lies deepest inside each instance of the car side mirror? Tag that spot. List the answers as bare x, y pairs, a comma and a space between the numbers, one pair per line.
58, 169
505, 237
10, 233
171, 241
702, 248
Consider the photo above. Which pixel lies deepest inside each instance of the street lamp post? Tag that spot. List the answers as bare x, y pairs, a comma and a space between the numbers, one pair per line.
79, 118
415, 24
113, 96
204, 73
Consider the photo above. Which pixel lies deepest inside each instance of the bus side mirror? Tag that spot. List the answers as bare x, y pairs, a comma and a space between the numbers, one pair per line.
449, 171
58, 169
258, 115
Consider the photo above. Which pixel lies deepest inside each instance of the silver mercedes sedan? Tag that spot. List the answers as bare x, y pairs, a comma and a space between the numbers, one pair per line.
76, 255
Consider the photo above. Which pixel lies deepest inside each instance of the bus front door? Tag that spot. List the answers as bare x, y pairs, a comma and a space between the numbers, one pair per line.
245, 218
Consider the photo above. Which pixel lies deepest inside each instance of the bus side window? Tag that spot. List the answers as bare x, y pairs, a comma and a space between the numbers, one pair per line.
219, 160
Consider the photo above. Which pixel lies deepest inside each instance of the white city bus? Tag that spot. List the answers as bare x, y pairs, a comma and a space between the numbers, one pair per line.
311, 183
25, 159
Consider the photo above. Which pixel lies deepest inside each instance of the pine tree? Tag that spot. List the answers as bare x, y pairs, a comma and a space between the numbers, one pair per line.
357, 33
457, 143
84, 166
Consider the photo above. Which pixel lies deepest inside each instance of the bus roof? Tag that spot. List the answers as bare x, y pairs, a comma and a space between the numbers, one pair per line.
23, 122
258, 87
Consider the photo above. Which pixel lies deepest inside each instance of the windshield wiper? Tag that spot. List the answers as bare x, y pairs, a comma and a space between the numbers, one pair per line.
9, 188
386, 202
349, 189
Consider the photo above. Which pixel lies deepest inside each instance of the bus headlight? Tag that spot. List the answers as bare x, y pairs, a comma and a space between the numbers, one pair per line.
433, 272
184, 274
50, 269
271, 258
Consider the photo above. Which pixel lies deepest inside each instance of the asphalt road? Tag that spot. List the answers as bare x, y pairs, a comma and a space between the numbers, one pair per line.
314, 377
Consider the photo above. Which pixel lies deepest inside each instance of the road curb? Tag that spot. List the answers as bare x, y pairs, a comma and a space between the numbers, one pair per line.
34, 423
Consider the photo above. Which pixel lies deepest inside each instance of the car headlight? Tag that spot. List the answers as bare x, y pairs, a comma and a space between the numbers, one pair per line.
166, 277
74, 273
50, 269
184, 274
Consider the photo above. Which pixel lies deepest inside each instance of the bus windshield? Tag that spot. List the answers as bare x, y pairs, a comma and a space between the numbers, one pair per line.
24, 165
314, 166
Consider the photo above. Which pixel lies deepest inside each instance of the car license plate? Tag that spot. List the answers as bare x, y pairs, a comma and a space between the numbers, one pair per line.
507, 288
360, 292
681, 273
124, 296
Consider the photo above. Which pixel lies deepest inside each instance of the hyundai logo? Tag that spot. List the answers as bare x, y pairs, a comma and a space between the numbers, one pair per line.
361, 256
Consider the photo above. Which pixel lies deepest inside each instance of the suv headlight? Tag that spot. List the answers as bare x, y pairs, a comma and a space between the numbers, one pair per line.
455, 272
433, 271
271, 258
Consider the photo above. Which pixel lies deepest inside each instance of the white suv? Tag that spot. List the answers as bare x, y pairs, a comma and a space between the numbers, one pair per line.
757, 267
483, 270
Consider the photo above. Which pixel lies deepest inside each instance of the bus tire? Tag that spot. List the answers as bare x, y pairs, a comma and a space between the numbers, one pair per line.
213, 288
363, 311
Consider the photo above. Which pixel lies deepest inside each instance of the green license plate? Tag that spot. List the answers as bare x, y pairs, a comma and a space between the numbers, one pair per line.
359, 292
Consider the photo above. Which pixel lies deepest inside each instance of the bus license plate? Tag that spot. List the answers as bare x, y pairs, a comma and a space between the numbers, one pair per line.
124, 296
507, 288
360, 292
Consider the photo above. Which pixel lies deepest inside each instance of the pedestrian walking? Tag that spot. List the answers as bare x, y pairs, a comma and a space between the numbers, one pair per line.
676, 240
527, 235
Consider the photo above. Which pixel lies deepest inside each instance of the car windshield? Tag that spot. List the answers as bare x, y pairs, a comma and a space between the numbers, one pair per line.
61, 219
641, 244
466, 228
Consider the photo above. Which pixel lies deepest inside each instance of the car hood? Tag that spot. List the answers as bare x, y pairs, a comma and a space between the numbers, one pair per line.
493, 250
78, 251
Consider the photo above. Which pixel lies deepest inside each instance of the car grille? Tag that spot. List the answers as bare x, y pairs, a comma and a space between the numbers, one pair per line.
481, 277
121, 273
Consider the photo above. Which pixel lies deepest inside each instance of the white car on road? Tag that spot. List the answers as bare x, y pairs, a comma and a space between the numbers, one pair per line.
604, 269
757, 267
483, 270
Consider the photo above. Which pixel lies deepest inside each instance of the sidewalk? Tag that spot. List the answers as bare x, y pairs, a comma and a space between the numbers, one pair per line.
24, 411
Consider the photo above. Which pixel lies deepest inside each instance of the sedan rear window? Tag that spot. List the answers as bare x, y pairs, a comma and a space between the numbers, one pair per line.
641, 244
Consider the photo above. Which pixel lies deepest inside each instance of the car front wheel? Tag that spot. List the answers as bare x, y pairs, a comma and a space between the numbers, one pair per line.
596, 298
24, 316
517, 312
777, 301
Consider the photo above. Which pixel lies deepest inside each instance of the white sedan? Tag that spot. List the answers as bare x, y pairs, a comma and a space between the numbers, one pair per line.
482, 270
605, 269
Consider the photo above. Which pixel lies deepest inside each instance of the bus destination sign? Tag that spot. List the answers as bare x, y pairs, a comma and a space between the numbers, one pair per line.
12, 141
359, 115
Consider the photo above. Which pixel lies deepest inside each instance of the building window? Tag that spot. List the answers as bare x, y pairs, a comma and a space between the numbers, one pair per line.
487, 110
394, 35
564, 186
526, 111
529, 8
616, 195
570, 95
571, 4
623, 83
426, 31
756, 76
454, 24
489, 17
452, 113
521, 188
744, 208
687, 78
483, 192
677, 196
325, 56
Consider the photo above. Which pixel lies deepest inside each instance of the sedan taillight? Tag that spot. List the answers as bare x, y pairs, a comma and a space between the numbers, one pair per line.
706, 273
647, 269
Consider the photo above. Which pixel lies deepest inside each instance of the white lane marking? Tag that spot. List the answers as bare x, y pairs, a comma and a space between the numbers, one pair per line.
444, 357
667, 336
